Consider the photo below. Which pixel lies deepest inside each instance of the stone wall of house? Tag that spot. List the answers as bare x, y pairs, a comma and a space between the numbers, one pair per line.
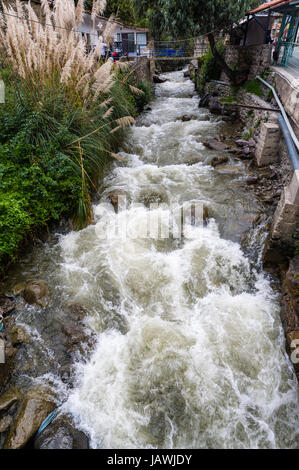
257, 58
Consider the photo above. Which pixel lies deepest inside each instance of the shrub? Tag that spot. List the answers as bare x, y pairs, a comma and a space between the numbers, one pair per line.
209, 67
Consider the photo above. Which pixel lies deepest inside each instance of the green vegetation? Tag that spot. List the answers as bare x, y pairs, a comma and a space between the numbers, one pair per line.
65, 115
254, 87
179, 19
209, 67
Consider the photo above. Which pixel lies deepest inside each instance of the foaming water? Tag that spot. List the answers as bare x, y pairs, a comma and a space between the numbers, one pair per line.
190, 350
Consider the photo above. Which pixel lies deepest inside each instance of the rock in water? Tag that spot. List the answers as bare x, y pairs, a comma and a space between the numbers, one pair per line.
35, 292
158, 79
7, 368
6, 305
35, 408
115, 198
215, 106
5, 423
9, 398
214, 144
18, 335
219, 160
62, 434
204, 101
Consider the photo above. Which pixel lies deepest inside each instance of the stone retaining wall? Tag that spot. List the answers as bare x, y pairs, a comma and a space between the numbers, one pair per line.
258, 58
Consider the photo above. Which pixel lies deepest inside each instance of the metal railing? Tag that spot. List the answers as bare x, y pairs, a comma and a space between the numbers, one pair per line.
291, 140
287, 51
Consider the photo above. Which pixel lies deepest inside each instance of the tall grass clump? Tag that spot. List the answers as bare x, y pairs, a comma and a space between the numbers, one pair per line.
65, 113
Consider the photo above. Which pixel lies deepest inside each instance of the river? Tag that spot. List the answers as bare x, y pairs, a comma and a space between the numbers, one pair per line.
190, 348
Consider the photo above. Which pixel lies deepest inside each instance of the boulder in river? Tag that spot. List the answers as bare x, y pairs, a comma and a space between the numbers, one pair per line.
185, 118
214, 144
204, 101
18, 335
215, 106
5, 423
219, 160
114, 198
62, 434
7, 305
35, 293
11, 396
7, 368
157, 79
34, 409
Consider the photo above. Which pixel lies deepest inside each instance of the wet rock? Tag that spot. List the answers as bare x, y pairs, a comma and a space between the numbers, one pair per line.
5, 423
242, 143
230, 170
204, 101
18, 335
252, 180
114, 196
246, 150
157, 79
62, 434
76, 311
9, 398
35, 408
219, 160
35, 293
187, 74
252, 143
7, 305
7, 368
214, 144
19, 288
185, 118
215, 106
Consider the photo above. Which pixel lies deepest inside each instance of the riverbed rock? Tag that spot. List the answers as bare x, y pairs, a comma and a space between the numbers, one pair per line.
62, 434
204, 101
114, 196
35, 293
7, 305
11, 396
242, 143
230, 169
18, 336
214, 144
215, 106
157, 79
252, 180
187, 74
7, 368
5, 423
185, 118
219, 160
34, 409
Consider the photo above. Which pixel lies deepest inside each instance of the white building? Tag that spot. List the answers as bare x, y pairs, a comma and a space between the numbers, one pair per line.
128, 40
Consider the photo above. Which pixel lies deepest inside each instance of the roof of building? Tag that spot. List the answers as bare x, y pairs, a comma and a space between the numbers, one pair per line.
136, 28
272, 5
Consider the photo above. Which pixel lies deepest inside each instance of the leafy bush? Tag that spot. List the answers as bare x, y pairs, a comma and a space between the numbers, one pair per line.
209, 67
64, 117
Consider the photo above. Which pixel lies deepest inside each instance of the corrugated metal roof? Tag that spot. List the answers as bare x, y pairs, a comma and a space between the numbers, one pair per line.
273, 4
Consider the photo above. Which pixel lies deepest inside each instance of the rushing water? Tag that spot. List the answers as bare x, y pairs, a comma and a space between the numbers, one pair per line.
190, 350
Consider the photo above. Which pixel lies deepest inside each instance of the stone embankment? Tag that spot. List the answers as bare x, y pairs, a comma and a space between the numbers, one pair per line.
274, 180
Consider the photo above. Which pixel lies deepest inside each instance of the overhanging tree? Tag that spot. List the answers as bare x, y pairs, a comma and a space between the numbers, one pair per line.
186, 18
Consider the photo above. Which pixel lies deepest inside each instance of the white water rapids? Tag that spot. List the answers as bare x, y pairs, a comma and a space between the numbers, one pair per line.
190, 350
